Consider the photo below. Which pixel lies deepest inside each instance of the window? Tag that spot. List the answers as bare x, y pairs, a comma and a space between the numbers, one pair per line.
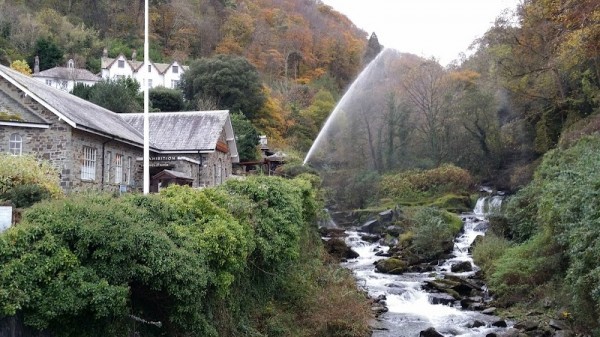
118, 168
88, 166
149, 68
49, 82
15, 144
107, 164
121, 63
175, 69
150, 83
174, 84
119, 77
128, 171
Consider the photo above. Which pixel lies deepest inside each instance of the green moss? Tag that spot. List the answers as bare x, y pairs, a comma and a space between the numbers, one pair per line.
453, 203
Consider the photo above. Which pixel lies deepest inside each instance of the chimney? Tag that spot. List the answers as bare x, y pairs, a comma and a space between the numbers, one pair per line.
133, 55
36, 66
104, 53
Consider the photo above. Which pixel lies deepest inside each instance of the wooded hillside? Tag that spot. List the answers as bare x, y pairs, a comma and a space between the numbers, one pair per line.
300, 48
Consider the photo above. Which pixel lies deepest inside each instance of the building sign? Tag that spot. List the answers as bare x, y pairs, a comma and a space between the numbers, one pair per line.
163, 158
5, 217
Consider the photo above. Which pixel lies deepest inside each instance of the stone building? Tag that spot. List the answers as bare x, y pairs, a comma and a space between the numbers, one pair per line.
94, 148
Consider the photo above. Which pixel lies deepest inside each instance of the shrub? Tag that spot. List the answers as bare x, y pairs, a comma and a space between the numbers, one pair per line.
522, 268
26, 170
26, 195
434, 232
416, 184
487, 251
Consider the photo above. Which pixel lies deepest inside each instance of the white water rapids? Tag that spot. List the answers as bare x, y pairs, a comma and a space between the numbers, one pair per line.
410, 307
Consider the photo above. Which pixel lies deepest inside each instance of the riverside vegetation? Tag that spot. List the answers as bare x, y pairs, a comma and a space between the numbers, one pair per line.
243, 259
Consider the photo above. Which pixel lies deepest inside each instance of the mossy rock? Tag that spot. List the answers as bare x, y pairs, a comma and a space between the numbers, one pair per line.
391, 266
453, 203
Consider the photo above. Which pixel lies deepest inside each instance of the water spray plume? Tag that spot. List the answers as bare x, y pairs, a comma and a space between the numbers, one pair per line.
339, 107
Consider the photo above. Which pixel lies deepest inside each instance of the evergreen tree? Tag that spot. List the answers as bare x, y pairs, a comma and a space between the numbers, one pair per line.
373, 48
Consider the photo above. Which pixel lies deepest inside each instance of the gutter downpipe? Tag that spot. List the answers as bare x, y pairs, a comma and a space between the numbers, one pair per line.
103, 161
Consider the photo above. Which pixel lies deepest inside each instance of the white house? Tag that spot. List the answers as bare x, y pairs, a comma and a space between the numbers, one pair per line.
166, 75
64, 78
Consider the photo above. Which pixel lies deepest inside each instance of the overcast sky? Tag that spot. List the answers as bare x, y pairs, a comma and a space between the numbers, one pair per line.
438, 28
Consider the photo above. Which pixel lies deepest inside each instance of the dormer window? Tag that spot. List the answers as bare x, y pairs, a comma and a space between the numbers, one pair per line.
71, 64
121, 63
175, 69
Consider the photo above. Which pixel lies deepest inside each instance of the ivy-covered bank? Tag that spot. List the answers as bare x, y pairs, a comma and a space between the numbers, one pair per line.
243, 259
542, 254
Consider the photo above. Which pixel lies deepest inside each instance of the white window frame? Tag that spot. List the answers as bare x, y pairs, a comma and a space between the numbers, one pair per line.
88, 164
15, 144
118, 168
175, 69
49, 82
150, 83
174, 83
107, 165
149, 68
121, 63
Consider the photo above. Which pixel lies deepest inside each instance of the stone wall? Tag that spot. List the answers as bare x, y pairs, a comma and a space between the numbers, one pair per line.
104, 172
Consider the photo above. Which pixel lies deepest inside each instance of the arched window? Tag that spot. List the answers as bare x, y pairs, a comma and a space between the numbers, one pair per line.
15, 145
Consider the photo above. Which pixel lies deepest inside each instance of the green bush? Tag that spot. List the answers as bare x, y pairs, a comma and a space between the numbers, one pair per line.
26, 195
26, 170
522, 268
205, 262
418, 184
434, 232
487, 251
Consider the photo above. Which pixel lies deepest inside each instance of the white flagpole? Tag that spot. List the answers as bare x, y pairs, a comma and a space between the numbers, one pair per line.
146, 104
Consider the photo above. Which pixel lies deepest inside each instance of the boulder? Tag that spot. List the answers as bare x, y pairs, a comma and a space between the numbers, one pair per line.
526, 325
461, 267
371, 226
475, 324
441, 298
370, 237
558, 324
339, 249
563, 333
430, 332
393, 230
500, 324
512, 333
391, 266
386, 216
489, 311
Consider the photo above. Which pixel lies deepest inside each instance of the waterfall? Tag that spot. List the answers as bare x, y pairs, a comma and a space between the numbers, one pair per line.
412, 309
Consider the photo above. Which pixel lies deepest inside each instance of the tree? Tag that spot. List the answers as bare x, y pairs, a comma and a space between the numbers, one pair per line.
121, 95
21, 66
231, 80
246, 137
50, 54
373, 48
166, 100
427, 89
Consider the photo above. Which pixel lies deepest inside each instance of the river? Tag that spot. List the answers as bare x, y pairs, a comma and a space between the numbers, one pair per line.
410, 308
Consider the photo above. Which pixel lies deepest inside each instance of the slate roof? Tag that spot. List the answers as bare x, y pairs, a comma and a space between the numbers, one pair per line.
78, 112
182, 131
76, 74
174, 174
106, 62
